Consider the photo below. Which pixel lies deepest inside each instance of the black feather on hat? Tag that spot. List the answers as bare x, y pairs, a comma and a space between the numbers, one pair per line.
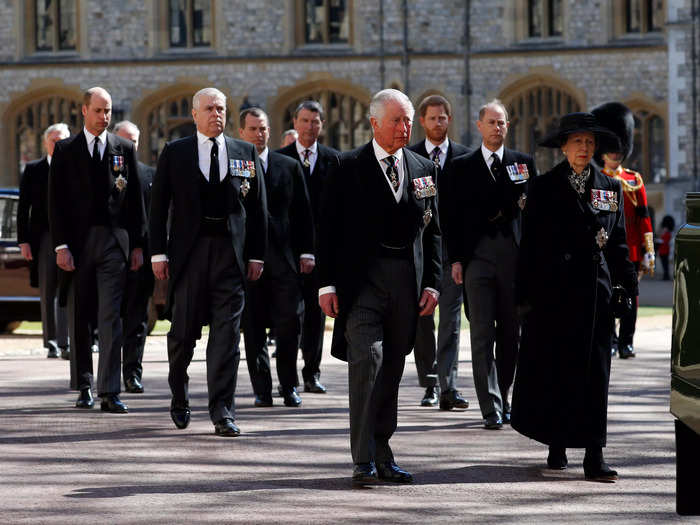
619, 119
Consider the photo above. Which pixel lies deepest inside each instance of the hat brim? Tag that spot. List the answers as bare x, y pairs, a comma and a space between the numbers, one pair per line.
557, 139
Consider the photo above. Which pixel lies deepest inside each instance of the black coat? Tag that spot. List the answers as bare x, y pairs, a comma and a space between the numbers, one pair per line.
177, 182
351, 208
72, 194
564, 285
291, 228
474, 196
146, 174
33, 210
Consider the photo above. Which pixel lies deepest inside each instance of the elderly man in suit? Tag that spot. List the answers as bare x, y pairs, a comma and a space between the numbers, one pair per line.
275, 299
35, 243
379, 256
314, 158
96, 217
218, 236
437, 364
484, 217
139, 283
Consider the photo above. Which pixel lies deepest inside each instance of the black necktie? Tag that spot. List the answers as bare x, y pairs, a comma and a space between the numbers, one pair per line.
214, 165
496, 167
96, 150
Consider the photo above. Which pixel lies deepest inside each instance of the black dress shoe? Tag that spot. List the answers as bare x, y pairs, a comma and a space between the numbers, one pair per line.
226, 428
65, 353
291, 398
506, 417
390, 471
556, 459
314, 386
85, 399
595, 468
626, 352
493, 421
431, 397
112, 403
53, 351
133, 385
180, 414
364, 474
263, 401
450, 399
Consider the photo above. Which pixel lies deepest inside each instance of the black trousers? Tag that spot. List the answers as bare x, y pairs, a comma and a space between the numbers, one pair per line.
313, 327
274, 300
98, 285
139, 287
210, 290
380, 330
54, 320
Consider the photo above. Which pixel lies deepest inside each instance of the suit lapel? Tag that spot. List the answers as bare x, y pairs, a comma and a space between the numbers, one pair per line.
233, 153
84, 158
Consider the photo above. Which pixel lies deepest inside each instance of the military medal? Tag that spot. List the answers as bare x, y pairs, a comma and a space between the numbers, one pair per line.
120, 183
518, 173
427, 216
424, 187
242, 168
601, 238
604, 200
245, 187
117, 162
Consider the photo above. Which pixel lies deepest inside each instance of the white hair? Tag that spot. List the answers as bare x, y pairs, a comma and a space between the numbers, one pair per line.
61, 126
380, 100
207, 92
127, 124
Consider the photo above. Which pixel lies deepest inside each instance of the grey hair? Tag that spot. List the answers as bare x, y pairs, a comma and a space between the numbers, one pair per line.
60, 126
379, 101
209, 92
127, 124
495, 102
290, 132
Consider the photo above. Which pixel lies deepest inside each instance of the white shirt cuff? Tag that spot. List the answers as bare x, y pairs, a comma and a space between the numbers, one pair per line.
307, 256
161, 257
256, 260
325, 290
432, 290
61, 247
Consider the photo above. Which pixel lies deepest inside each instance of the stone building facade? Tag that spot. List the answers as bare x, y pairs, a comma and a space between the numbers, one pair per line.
542, 58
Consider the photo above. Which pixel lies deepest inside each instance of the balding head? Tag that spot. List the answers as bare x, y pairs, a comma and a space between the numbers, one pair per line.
128, 130
97, 110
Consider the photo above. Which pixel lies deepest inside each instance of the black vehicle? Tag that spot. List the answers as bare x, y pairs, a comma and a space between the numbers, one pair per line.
18, 300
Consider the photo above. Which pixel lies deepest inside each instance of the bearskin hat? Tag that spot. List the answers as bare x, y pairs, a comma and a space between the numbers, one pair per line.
619, 119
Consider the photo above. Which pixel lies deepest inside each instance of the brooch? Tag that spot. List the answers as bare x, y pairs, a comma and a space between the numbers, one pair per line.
601, 238
120, 183
427, 216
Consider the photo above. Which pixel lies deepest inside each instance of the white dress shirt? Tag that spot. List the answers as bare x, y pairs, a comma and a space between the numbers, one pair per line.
381, 154
487, 153
48, 159
313, 156
429, 147
204, 146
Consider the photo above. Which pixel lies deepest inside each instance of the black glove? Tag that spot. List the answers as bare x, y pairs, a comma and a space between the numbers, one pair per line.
620, 303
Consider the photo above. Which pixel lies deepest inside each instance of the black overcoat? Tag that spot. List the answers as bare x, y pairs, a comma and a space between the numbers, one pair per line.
564, 286
33, 210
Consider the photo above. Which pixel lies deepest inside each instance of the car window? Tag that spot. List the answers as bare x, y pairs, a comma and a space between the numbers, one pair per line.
8, 218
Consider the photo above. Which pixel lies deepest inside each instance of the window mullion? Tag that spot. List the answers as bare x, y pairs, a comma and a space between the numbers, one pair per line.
56, 14
189, 23
327, 22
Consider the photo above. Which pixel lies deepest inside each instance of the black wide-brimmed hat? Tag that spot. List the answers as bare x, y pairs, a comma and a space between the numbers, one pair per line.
578, 123
619, 119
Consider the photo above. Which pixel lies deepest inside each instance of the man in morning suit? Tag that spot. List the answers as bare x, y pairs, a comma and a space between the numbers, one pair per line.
483, 212
139, 283
379, 257
35, 243
97, 218
440, 363
219, 220
275, 299
314, 158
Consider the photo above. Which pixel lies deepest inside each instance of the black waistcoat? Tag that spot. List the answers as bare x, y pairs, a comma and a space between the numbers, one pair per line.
396, 229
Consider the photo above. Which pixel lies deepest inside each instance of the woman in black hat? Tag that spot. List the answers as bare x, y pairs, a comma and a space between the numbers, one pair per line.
573, 251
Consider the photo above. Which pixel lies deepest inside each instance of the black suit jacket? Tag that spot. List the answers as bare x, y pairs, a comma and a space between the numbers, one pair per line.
475, 197
317, 178
454, 149
291, 227
352, 206
146, 174
33, 209
72, 194
177, 181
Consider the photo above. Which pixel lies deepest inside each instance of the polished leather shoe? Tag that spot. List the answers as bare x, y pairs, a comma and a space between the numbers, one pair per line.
595, 468
85, 399
263, 401
133, 385
65, 353
556, 459
626, 352
493, 421
314, 386
291, 398
180, 414
226, 428
112, 403
364, 474
390, 471
431, 397
53, 351
450, 399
